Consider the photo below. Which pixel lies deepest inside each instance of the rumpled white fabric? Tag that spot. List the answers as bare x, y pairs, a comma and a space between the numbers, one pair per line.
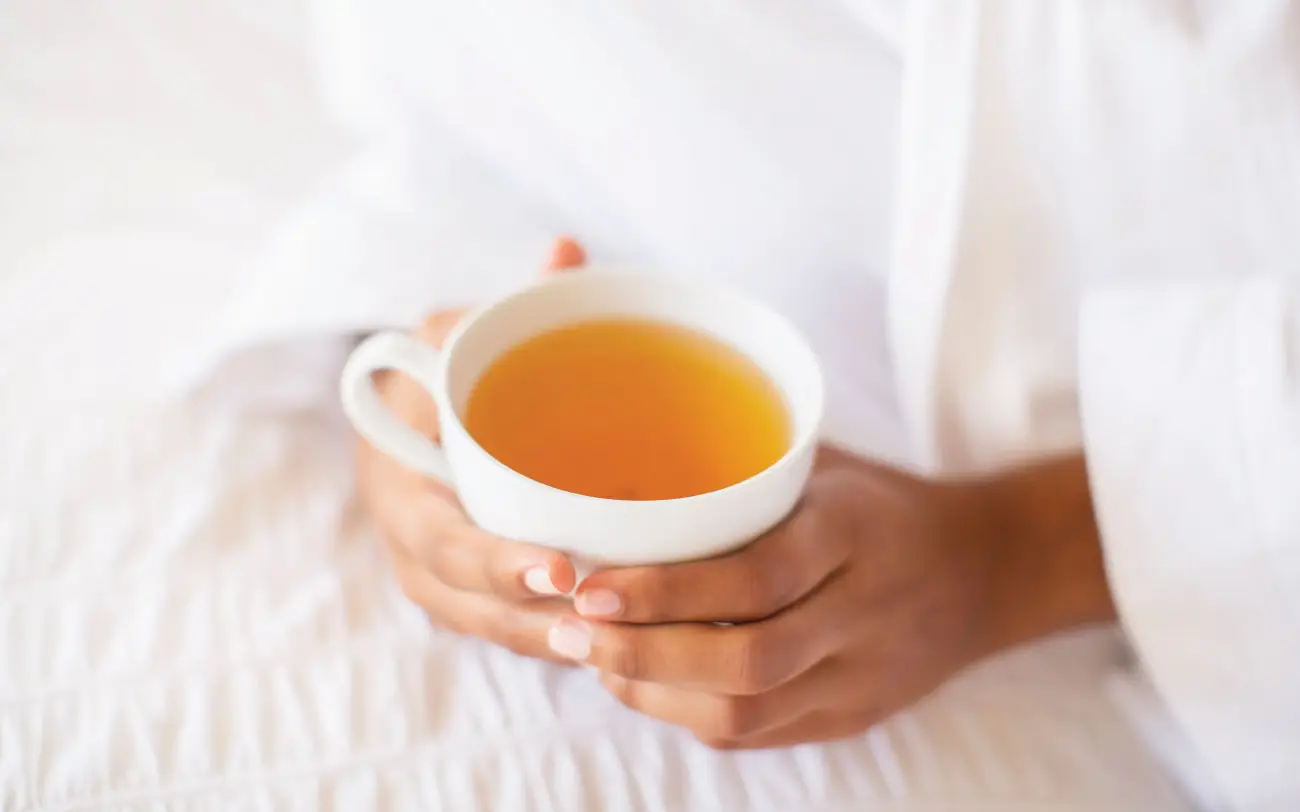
192, 613
195, 617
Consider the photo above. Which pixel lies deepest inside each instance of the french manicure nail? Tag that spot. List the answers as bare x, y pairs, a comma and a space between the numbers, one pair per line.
570, 639
538, 580
598, 603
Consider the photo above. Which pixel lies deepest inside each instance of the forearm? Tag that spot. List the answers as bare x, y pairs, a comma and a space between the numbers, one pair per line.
1047, 569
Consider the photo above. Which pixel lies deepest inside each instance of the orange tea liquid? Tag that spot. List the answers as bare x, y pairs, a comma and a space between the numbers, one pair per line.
629, 409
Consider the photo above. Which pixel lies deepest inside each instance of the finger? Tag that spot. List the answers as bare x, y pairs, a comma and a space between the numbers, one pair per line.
738, 660
433, 530
754, 583
424, 516
728, 718
522, 629
566, 255
404, 396
437, 326
821, 726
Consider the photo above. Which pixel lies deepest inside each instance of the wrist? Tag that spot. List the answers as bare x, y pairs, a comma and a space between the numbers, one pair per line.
1046, 565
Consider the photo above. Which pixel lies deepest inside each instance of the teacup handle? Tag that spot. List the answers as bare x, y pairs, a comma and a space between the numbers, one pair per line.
371, 416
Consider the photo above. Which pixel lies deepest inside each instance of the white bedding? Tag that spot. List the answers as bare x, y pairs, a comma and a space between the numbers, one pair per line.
192, 613
194, 616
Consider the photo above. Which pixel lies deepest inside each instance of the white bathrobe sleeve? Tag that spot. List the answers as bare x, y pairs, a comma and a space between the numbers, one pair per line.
384, 241
1191, 406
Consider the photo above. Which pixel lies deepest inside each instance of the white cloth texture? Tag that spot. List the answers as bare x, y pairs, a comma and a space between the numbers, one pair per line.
1119, 192
192, 613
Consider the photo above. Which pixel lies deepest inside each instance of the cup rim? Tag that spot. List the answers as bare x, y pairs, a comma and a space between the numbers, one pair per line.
447, 415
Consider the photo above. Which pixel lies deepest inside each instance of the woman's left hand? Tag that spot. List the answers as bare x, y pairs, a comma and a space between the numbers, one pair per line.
875, 591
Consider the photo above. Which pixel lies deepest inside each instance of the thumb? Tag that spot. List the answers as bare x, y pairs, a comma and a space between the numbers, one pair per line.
566, 255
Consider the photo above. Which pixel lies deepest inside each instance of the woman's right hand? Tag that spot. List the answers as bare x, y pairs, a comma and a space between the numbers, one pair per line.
465, 579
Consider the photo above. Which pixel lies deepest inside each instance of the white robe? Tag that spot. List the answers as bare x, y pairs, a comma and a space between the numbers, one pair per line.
1085, 232
1099, 243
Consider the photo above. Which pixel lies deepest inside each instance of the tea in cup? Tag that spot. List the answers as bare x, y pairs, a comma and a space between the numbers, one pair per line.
624, 419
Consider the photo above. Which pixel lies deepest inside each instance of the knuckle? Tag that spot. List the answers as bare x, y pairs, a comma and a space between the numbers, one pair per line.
625, 656
501, 582
500, 577
732, 718
765, 586
498, 563
755, 662
650, 590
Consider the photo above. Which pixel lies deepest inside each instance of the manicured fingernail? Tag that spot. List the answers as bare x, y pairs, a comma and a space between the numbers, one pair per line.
538, 580
566, 254
570, 638
598, 603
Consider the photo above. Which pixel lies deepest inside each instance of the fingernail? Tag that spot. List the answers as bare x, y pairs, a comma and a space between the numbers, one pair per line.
566, 254
598, 603
570, 638
538, 580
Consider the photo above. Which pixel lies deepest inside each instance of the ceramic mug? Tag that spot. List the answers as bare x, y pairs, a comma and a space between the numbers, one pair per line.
600, 532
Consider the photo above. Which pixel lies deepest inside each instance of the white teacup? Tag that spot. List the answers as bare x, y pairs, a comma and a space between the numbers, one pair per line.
598, 531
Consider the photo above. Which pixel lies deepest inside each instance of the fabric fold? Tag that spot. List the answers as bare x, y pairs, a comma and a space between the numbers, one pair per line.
384, 242
1191, 405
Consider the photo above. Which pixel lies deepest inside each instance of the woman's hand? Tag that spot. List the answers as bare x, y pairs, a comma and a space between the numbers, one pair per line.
879, 588
465, 579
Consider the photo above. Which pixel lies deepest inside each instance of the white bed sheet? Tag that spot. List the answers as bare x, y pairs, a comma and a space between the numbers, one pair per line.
193, 616
192, 613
